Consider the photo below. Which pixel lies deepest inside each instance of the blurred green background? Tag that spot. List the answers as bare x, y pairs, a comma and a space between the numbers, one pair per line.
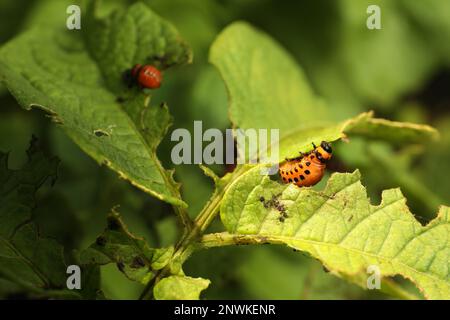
401, 71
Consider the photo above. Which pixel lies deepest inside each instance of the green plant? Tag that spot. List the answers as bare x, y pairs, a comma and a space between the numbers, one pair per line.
75, 77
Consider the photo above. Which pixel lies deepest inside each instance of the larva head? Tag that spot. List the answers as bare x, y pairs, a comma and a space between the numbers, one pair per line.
324, 152
135, 70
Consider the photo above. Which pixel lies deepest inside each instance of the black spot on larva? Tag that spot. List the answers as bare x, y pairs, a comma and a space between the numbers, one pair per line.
290, 180
301, 167
296, 170
307, 172
308, 163
284, 179
312, 156
302, 177
295, 179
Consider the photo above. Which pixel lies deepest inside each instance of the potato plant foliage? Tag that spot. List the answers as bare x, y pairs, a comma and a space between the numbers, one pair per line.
75, 78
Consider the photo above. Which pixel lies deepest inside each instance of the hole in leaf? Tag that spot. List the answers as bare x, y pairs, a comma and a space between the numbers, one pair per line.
101, 133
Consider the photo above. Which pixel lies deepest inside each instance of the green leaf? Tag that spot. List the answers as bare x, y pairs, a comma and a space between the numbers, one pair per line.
266, 86
180, 288
76, 77
393, 131
363, 125
47, 12
135, 35
342, 229
131, 254
268, 90
29, 263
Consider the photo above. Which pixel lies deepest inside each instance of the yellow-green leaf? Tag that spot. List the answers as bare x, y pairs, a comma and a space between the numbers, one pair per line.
180, 288
268, 90
341, 228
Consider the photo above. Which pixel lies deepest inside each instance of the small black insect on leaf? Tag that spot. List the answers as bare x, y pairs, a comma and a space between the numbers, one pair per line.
280, 207
276, 204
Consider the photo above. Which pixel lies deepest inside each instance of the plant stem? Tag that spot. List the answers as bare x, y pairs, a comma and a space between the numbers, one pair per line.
183, 248
195, 239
